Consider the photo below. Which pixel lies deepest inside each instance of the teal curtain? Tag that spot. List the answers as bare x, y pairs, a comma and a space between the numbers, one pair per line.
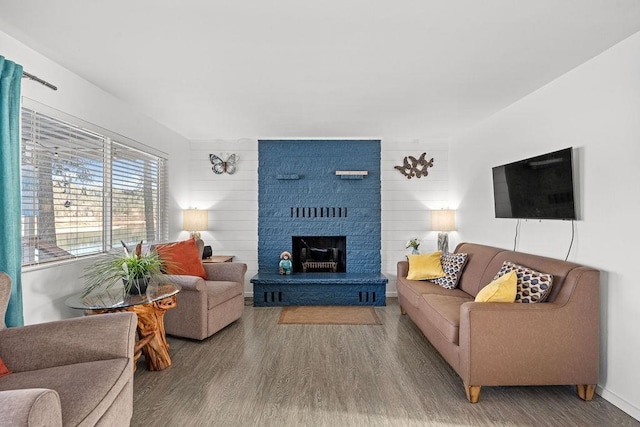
10, 244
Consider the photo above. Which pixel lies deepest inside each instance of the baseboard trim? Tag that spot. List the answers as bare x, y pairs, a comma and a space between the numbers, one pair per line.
619, 402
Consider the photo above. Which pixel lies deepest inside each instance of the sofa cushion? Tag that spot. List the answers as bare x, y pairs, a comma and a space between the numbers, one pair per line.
532, 286
443, 312
425, 266
502, 289
414, 289
220, 291
182, 258
452, 265
83, 387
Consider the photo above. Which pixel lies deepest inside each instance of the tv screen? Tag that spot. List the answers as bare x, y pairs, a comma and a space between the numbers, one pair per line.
540, 187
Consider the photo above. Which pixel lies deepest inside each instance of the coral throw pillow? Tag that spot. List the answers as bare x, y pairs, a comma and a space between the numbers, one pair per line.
502, 289
3, 369
425, 266
182, 258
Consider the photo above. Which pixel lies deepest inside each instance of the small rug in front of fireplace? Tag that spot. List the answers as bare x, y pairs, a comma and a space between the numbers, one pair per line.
328, 315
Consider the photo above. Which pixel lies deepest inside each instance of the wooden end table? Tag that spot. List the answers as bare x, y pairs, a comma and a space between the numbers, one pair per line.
150, 308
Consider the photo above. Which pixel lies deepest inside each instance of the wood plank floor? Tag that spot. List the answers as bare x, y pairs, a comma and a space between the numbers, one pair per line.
258, 373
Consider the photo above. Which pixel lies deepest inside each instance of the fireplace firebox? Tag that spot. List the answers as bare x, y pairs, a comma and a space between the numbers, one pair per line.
316, 254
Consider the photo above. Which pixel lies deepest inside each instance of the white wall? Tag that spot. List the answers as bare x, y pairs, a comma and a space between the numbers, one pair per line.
406, 202
233, 200
596, 109
46, 288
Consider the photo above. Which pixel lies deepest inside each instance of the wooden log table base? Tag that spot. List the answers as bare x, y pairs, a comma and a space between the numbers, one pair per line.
151, 324
151, 332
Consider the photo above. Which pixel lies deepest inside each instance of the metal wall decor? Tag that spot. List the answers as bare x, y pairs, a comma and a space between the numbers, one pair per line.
415, 167
221, 166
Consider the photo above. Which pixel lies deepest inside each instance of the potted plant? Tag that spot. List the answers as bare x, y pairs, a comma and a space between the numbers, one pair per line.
414, 244
135, 269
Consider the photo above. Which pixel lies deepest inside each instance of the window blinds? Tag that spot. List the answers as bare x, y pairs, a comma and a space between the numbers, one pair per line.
83, 193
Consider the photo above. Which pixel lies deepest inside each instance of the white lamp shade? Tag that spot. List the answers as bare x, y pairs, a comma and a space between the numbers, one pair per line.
443, 220
195, 220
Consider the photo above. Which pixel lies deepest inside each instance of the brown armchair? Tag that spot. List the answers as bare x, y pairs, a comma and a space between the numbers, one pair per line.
69, 372
206, 306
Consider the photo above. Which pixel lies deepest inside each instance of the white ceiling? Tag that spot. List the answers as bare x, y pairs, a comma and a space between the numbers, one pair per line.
328, 68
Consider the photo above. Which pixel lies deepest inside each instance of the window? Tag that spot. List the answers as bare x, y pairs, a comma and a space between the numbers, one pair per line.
84, 191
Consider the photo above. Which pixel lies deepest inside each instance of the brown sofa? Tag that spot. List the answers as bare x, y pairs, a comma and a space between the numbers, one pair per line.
499, 344
73, 372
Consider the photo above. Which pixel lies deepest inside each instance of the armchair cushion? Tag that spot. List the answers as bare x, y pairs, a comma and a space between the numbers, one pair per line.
219, 292
182, 258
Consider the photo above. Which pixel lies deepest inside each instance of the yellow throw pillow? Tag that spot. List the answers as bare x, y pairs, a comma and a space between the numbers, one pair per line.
425, 266
503, 289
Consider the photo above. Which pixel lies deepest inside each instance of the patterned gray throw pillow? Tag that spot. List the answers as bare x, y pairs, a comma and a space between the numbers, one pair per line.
533, 286
452, 265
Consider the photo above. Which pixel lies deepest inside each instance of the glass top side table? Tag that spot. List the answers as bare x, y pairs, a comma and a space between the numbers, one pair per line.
116, 297
150, 308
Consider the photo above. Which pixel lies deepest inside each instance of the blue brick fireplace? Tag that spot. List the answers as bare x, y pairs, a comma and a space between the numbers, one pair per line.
301, 197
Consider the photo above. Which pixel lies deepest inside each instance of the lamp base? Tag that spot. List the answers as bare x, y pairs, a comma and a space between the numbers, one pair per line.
443, 242
195, 235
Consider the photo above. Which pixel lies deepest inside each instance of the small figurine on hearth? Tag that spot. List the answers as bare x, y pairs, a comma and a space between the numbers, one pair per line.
285, 263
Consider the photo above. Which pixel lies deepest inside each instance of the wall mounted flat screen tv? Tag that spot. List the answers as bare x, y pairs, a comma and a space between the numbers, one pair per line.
537, 188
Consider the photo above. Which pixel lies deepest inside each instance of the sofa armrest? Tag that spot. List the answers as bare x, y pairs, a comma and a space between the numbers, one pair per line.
30, 407
69, 341
226, 271
545, 343
402, 269
189, 283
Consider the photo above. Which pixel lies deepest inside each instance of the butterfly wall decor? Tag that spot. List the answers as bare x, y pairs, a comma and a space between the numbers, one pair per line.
415, 167
221, 166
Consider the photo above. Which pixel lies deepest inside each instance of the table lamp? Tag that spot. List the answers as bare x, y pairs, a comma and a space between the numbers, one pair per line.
443, 220
195, 220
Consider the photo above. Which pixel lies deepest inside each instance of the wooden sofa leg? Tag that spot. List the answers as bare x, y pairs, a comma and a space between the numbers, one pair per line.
473, 393
402, 310
586, 391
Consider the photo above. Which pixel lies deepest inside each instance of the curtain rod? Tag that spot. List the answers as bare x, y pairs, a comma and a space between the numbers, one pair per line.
39, 80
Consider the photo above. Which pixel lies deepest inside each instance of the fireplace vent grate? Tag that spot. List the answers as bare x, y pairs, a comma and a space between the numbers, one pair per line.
318, 212
368, 297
